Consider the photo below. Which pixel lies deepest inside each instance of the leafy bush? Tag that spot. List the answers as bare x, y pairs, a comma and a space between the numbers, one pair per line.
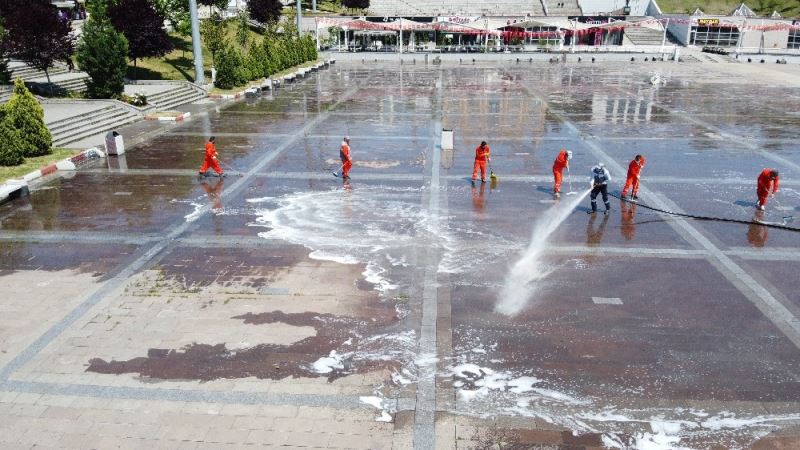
275, 53
26, 115
231, 70
10, 144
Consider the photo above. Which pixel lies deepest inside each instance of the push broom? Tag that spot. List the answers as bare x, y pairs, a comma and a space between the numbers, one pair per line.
336, 173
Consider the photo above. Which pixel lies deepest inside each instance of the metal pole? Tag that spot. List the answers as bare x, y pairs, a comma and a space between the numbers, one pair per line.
741, 38
400, 42
664, 39
314, 5
316, 31
574, 35
199, 75
299, 17
486, 36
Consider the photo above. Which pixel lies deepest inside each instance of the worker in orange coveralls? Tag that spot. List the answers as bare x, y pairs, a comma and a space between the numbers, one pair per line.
632, 182
767, 180
562, 161
482, 156
347, 161
211, 159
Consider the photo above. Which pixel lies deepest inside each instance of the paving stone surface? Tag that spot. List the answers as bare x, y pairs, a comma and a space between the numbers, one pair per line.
408, 307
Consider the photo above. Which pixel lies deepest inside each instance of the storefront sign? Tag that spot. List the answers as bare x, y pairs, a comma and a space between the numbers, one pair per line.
461, 20
394, 18
708, 22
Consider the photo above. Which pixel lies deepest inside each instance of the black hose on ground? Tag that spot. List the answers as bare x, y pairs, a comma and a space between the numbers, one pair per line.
715, 219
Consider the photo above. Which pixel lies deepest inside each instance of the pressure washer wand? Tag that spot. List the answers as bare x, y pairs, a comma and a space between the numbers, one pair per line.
228, 167
569, 175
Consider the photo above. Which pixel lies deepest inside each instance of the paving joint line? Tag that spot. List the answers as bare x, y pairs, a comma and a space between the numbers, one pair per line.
186, 395
424, 416
324, 174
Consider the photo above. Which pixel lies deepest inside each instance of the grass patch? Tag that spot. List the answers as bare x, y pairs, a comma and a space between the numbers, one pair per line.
179, 64
31, 164
216, 90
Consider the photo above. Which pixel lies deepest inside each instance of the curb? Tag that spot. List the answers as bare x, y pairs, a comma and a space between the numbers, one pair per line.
18, 187
239, 94
178, 118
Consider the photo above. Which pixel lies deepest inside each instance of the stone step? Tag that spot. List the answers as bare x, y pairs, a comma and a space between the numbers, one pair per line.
70, 122
94, 129
192, 97
77, 84
96, 122
28, 73
163, 97
180, 96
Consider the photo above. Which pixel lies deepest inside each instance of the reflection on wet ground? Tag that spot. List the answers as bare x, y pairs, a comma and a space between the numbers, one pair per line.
645, 329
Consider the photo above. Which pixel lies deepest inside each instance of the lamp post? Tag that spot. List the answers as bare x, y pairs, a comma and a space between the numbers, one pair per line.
199, 75
299, 17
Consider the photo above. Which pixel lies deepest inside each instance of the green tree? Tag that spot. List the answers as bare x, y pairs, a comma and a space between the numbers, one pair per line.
5, 76
102, 53
10, 144
27, 116
231, 70
213, 33
36, 35
143, 27
242, 28
265, 11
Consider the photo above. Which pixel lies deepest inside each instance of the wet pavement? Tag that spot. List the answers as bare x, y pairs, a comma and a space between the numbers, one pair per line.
374, 307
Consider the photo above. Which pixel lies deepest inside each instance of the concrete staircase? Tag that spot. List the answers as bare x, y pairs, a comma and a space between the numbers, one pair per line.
644, 35
174, 94
60, 84
5, 93
61, 79
96, 122
559, 8
19, 69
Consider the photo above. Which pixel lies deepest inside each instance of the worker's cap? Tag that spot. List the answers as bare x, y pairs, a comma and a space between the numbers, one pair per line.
347, 138
483, 143
569, 154
774, 174
600, 164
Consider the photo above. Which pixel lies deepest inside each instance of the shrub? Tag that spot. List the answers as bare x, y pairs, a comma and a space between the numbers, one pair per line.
231, 70
27, 116
10, 144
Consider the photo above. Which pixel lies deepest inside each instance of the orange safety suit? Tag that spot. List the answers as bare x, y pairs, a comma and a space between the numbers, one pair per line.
632, 181
559, 164
482, 154
347, 161
210, 159
765, 184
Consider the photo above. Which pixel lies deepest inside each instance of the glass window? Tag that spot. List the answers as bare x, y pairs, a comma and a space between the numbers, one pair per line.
544, 36
794, 38
714, 36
